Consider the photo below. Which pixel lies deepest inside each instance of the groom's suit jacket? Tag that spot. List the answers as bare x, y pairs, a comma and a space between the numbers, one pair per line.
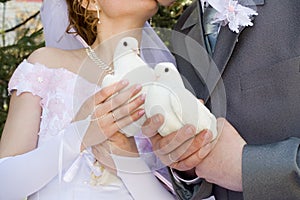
254, 82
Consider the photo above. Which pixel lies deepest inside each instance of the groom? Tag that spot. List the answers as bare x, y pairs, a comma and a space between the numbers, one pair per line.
253, 80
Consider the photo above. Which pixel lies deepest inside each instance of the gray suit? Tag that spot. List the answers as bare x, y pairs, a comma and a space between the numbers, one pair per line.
260, 72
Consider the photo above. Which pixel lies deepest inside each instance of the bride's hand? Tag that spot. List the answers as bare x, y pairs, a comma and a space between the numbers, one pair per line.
119, 145
111, 109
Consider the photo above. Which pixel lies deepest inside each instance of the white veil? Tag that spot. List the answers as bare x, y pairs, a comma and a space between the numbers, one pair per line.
153, 50
54, 17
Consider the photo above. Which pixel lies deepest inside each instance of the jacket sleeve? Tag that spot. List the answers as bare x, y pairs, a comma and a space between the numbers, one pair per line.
25, 174
271, 171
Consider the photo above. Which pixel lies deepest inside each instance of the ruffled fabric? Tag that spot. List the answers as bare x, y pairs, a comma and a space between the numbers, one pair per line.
28, 78
62, 92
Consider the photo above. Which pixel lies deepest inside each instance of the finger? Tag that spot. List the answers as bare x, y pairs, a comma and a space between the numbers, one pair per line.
201, 101
117, 100
105, 131
124, 96
178, 154
151, 126
194, 160
123, 145
128, 108
105, 120
191, 146
187, 148
118, 125
113, 116
102, 154
108, 91
97, 135
172, 141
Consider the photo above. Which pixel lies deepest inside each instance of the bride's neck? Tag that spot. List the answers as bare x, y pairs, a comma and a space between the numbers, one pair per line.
114, 30
111, 32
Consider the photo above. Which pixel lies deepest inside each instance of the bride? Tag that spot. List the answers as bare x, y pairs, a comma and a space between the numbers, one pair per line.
62, 135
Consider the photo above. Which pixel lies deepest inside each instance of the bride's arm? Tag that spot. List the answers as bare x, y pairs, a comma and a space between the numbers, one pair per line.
24, 169
28, 172
20, 134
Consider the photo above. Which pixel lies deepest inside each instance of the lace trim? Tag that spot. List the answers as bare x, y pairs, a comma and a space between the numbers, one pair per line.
37, 78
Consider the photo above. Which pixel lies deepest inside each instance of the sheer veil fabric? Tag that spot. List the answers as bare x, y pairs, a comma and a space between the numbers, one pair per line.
55, 21
153, 51
54, 17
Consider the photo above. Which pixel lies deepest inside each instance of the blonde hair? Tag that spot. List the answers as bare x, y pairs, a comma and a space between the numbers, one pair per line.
83, 21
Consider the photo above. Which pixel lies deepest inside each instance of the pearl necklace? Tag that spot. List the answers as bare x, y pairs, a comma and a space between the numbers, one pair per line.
100, 63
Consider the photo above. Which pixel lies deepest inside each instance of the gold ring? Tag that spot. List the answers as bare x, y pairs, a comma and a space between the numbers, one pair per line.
171, 159
113, 116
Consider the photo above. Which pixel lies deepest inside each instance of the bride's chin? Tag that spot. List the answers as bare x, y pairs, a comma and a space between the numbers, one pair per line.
152, 11
165, 2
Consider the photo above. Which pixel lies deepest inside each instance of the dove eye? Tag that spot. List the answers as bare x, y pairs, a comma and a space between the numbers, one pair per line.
125, 44
166, 69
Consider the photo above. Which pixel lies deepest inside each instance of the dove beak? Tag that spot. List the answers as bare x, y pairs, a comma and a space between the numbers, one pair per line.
157, 75
137, 51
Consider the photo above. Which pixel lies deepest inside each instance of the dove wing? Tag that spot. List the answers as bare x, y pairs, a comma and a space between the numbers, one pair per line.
127, 62
185, 106
189, 110
141, 75
108, 79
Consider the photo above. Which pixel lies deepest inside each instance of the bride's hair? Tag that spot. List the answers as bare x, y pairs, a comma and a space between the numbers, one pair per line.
84, 22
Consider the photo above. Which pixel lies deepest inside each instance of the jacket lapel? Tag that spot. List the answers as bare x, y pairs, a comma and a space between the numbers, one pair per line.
225, 45
193, 23
227, 40
207, 70
194, 42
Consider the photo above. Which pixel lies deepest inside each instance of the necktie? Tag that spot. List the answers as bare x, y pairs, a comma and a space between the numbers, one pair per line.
211, 30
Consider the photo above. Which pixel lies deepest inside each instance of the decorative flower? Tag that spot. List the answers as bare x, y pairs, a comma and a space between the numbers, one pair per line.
232, 13
39, 79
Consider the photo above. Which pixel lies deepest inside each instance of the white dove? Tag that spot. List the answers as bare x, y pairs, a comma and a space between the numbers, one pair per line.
168, 96
128, 65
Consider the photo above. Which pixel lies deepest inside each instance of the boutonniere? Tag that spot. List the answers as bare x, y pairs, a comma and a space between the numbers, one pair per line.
232, 13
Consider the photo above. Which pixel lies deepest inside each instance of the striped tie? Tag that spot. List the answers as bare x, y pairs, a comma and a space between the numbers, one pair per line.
211, 30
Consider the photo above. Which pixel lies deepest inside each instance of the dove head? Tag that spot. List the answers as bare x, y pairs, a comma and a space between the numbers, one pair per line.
167, 73
125, 46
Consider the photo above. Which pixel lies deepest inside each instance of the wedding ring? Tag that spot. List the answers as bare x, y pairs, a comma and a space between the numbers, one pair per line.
98, 118
113, 116
171, 159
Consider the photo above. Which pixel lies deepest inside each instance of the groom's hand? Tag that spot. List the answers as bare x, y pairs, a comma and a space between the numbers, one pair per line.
223, 165
183, 149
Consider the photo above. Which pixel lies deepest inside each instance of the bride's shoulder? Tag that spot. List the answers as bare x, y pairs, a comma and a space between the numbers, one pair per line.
55, 58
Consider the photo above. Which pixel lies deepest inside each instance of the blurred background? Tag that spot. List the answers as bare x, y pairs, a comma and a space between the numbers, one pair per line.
21, 32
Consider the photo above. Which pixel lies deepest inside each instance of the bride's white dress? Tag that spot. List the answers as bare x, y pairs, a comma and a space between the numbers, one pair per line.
61, 93
41, 173
47, 173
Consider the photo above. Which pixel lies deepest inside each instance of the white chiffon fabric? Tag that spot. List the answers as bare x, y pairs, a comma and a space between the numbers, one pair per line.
39, 174
54, 17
